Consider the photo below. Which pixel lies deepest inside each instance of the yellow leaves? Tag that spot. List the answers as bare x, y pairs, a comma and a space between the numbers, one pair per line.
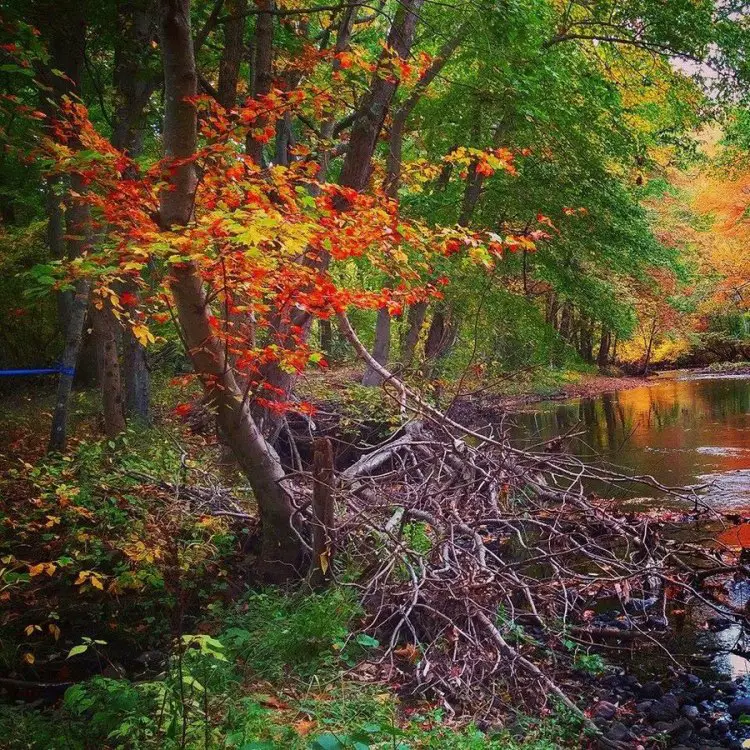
143, 335
54, 631
28, 657
137, 551
31, 629
324, 562
45, 567
90, 577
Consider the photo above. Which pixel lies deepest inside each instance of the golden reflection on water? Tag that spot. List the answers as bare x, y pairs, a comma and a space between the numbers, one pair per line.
680, 431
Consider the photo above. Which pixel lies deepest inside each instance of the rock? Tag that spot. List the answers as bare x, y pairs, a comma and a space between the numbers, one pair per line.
703, 693
681, 729
690, 712
651, 690
667, 709
618, 732
739, 707
693, 681
604, 710
727, 687
722, 724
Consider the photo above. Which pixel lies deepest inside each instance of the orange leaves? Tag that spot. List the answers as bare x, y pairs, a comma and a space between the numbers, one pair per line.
47, 568
91, 578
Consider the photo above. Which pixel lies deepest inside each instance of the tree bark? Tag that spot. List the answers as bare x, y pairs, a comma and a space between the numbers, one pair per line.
134, 84
602, 358
321, 565
108, 365
73, 342
281, 554
357, 167
382, 345
326, 338
394, 158
415, 321
231, 53
381, 349
355, 173
262, 73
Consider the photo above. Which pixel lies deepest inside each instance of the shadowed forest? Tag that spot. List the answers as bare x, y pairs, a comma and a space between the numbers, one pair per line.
295, 296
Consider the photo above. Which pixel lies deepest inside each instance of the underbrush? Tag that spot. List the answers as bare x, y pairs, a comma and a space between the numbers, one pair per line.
128, 619
278, 675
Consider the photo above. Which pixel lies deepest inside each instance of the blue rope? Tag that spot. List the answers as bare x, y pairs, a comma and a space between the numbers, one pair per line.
69, 371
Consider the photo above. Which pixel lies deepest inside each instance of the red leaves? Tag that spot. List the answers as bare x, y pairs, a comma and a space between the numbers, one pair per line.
183, 410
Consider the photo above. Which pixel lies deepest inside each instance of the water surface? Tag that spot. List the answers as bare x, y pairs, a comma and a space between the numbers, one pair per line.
682, 430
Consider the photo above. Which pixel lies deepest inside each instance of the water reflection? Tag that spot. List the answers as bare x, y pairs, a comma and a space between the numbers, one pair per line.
681, 431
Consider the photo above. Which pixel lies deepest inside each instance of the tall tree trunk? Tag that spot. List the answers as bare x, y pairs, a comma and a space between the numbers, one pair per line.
232, 52
602, 358
355, 172
440, 336
382, 345
133, 87
382, 348
108, 364
326, 338
281, 554
73, 341
649, 348
262, 72
78, 227
415, 320
565, 322
366, 129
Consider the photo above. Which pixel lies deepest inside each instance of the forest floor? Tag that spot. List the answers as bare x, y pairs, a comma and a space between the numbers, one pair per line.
131, 620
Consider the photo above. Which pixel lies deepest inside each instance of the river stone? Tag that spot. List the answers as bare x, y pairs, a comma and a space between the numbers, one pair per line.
690, 712
651, 690
667, 709
604, 710
728, 687
739, 707
618, 732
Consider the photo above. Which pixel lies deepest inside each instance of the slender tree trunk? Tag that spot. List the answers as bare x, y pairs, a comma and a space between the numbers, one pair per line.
137, 378
281, 554
382, 345
415, 320
56, 242
355, 172
108, 364
551, 311
602, 358
649, 348
382, 348
321, 565
565, 322
262, 72
73, 342
134, 86
326, 338
232, 52
78, 227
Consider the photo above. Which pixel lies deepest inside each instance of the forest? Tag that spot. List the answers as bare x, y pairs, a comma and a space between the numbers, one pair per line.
374, 374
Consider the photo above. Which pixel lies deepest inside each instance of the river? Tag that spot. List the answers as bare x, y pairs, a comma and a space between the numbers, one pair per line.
682, 429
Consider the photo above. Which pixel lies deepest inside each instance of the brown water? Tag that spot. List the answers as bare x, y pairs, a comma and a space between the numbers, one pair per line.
681, 429
684, 430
